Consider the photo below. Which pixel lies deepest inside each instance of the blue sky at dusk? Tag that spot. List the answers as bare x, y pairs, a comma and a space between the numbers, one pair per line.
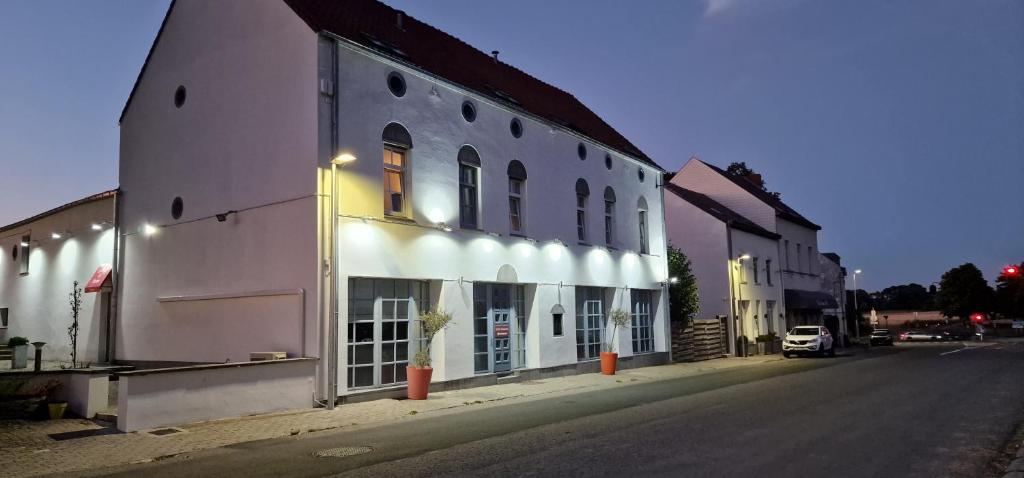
897, 126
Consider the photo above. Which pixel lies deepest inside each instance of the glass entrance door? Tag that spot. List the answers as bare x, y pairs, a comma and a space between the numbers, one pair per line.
499, 325
589, 322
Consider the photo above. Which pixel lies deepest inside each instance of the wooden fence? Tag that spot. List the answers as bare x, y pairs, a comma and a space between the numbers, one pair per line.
702, 339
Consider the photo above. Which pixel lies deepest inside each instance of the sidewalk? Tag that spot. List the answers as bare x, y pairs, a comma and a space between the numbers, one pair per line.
27, 450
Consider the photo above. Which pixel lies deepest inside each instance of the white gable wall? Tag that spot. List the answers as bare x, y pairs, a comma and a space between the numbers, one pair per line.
245, 140
697, 176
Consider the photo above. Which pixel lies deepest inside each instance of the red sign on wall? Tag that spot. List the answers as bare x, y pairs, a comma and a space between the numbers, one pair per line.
501, 330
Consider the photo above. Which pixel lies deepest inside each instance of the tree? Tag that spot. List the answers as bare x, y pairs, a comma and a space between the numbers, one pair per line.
903, 297
1009, 295
740, 169
682, 291
963, 291
75, 300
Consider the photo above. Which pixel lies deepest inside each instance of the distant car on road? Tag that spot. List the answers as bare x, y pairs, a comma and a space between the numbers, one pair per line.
881, 337
808, 339
920, 336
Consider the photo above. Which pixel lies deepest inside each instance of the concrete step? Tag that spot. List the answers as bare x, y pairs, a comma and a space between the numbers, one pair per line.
109, 416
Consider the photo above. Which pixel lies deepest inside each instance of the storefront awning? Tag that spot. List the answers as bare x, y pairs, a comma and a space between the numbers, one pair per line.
99, 279
808, 299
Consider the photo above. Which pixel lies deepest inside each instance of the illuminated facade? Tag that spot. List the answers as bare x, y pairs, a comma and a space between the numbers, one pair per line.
527, 226
42, 257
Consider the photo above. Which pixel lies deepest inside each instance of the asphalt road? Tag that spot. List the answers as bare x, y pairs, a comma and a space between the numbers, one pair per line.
919, 410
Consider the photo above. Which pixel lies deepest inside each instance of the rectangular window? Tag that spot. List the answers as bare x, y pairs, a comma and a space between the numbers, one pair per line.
770, 320
515, 205
24, 253
754, 265
3, 317
581, 217
519, 317
810, 260
383, 329
743, 271
394, 182
556, 325
643, 324
467, 197
799, 265
644, 247
609, 222
589, 323
788, 266
768, 271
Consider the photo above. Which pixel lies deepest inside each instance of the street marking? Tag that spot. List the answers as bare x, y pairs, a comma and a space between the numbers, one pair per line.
968, 347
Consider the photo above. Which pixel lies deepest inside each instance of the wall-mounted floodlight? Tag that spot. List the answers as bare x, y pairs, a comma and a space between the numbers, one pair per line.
444, 227
673, 280
744, 257
224, 215
149, 229
97, 227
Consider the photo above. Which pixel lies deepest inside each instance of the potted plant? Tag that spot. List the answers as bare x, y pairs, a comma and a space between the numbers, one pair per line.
55, 407
20, 349
418, 374
609, 356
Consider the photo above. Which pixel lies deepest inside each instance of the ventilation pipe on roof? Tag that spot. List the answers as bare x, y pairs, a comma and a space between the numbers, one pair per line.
398, 19
494, 53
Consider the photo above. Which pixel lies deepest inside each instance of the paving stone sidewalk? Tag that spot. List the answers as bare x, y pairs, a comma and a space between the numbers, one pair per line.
27, 450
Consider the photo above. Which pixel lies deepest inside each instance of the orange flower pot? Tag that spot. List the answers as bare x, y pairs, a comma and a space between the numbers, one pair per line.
418, 382
609, 360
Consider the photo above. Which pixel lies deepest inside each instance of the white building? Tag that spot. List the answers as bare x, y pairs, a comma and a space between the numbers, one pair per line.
735, 262
475, 189
42, 257
833, 282
796, 255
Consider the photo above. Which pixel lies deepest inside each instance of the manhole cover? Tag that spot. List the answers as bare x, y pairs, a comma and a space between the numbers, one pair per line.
342, 452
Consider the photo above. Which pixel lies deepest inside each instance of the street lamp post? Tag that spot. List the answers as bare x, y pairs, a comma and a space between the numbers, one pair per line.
856, 311
332, 326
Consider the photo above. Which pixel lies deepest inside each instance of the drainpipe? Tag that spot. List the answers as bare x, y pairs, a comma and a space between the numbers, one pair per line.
332, 326
732, 297
114, 304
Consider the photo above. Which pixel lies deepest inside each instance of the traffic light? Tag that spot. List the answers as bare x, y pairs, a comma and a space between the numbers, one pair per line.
1011, 271
977, 318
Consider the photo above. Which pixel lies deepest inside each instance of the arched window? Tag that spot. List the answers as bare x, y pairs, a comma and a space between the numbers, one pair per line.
609, 215
641, 208
582, 194
469, 187
397, 143
516, 196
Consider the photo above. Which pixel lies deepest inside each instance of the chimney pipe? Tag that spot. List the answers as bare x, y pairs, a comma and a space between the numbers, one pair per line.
398, 20
494, 53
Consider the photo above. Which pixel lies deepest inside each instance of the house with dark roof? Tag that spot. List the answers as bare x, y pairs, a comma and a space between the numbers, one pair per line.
734, 260
794, 261
310, 176
41, 259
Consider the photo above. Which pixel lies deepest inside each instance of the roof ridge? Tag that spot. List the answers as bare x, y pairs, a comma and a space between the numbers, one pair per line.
49, 212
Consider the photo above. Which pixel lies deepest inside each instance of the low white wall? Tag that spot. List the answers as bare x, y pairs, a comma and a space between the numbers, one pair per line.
85, 391
173, 396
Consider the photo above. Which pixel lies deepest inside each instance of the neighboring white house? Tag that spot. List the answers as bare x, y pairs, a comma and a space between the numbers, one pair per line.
734, 260
797, 248
41, 259
833, 282
462, 184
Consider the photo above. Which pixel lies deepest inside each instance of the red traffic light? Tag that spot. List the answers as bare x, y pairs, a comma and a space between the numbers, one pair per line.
977, 318
1011, 271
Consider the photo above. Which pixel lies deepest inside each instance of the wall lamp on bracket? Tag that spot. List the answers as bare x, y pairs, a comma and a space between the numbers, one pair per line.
744, 257
224, 215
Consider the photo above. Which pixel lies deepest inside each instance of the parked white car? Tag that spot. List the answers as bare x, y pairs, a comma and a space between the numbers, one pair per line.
808, 339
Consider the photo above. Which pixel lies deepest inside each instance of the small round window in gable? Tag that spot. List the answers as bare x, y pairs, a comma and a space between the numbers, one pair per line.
468, 111
516, 127
640, 174
608, 161
179, 96
581, 150
396, 84
177, 207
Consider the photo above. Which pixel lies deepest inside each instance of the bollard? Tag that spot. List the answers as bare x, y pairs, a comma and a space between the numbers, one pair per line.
39, 355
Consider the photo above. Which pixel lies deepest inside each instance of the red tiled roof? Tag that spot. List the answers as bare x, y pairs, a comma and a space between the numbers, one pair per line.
781, 209
85, 200
375, 25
